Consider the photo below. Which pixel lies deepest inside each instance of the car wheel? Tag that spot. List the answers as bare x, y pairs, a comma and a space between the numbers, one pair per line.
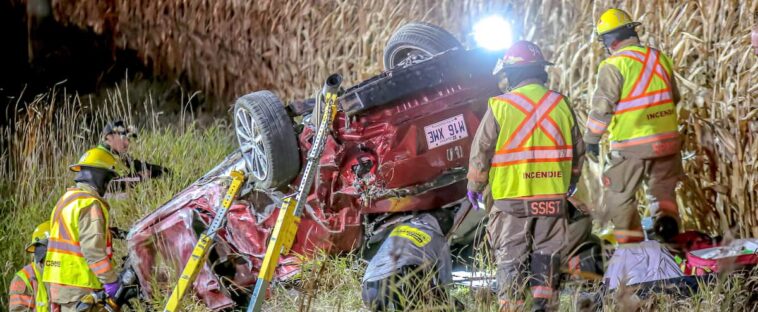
417, 41
267, 139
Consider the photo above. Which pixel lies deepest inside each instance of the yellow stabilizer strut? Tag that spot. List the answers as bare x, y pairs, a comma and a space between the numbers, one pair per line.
199, 254
288, 220
281, 239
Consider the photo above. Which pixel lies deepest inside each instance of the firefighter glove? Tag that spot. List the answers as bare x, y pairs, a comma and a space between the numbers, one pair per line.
475, 198
111, 289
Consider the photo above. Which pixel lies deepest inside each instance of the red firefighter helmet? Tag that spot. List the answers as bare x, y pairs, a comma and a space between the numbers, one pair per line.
521, 54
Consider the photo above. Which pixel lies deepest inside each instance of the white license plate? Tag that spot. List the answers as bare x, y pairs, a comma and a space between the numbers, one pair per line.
446, 131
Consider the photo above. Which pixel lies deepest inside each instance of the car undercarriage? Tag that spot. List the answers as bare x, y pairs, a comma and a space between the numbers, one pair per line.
399, 145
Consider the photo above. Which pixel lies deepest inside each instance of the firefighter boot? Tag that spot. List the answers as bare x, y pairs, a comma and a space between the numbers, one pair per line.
545, 281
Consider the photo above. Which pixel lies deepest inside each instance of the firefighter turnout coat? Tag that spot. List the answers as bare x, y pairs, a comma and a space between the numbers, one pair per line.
79, 252
527, 145
635, 102
27, 293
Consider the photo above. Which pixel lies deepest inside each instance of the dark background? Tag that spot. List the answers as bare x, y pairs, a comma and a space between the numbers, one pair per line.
61, 56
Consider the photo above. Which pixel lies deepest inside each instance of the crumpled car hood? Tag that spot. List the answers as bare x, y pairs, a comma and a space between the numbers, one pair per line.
161, 243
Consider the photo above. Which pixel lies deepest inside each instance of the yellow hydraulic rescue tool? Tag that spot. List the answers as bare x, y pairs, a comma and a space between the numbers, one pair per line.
288, 220
199, 254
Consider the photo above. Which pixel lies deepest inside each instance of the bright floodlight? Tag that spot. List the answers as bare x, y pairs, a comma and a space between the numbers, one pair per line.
493, 33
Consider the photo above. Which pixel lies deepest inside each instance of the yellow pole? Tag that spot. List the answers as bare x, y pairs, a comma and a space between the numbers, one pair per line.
288, 220
199, 254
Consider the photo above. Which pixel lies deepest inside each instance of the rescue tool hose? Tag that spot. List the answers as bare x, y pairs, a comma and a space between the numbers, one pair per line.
285, 230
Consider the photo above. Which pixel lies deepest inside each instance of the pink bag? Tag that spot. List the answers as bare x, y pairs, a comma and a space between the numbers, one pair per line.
740, 253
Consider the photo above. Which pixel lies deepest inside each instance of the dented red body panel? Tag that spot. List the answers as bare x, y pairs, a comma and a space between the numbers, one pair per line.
393, 138
387, 159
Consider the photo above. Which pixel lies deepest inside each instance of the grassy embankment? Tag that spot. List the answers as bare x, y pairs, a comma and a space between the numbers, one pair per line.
46, 141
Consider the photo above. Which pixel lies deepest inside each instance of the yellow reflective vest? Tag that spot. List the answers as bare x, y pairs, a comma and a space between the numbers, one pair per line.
534, 147
65, 264
30, 276
646, 112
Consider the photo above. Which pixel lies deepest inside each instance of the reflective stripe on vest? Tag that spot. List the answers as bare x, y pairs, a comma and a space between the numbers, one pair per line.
65, 264
40, 294
27, 275
535, 144
646, 113
542, 292
31, 277
596, 126
21, 300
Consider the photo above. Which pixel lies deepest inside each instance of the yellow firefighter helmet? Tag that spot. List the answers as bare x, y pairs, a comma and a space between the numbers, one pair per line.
613, 19
97, 157
41, 233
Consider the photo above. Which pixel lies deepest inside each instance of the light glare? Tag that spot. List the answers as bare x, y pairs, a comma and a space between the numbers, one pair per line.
493, 33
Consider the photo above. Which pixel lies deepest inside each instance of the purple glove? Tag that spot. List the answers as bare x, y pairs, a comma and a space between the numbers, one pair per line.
111, 289
571, 190
475, 198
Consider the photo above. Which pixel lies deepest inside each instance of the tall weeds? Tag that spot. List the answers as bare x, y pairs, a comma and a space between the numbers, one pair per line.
52, 131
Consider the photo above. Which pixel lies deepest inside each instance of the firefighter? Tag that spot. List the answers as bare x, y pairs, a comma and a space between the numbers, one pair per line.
635, 102
26, 291
414, 262
79, 255
115, 138
528, 149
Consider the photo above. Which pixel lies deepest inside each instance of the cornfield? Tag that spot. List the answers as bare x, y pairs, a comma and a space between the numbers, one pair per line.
229, 48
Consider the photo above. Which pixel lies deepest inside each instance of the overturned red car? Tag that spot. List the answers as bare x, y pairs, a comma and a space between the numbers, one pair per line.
399, 145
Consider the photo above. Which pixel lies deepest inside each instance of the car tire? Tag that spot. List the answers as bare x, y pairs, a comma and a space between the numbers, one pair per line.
422, 40
266, 139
